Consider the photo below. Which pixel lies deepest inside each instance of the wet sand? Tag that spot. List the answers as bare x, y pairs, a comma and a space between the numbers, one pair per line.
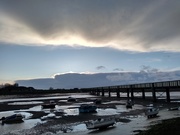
81, 118
67, 119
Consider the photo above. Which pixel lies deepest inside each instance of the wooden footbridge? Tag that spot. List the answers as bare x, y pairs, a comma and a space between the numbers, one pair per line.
130, 90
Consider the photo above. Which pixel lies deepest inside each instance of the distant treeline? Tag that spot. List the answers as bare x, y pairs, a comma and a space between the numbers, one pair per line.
15, 89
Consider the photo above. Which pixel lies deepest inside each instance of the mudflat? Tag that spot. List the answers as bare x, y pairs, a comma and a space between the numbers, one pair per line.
66, 120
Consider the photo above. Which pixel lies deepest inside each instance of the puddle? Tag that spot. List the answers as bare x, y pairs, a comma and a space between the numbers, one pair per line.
85, 103
26, 115
80, 127
45, 98
35, 108
67, 106
25, 103
120, 102
106, 112
60, 101
49, 116
27, 124
71, 112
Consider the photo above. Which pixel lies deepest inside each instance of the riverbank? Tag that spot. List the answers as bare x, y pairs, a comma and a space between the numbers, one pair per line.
165, 127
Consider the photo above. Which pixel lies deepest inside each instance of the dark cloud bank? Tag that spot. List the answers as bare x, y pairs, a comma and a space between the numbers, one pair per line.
151, 24
76, 80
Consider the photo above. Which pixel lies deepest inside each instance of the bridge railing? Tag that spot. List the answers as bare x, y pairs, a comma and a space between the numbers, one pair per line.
165, 84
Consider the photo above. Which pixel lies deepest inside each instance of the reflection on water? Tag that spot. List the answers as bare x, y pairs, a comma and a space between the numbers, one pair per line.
79, 127
25, 103
47, 98
66, 109
106, 112
50, 113
71, 112
35, 108
138, 122
49, 116
26, 115
27, 124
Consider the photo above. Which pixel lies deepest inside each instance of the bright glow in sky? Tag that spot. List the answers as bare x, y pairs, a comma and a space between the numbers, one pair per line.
41, 38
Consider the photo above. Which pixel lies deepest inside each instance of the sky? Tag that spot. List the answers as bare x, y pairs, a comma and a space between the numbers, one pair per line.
46, 38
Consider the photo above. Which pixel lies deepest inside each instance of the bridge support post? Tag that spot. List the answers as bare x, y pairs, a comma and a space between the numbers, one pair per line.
109, 90
102, 92
98, 92
128, 93
143, 94
153, 93
93, 92
168, 95
118, 93
132, 93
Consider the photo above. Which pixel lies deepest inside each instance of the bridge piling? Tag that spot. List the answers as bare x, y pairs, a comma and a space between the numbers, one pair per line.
143, 88
143, 94
102, 92
127, 93
118, 93
132, 92
109, 90
168, 95
153, 93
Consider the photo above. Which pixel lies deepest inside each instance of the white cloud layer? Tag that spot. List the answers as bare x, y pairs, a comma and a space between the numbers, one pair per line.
84, 80
126, 25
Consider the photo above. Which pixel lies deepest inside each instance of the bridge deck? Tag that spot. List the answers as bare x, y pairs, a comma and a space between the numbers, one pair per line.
130, 89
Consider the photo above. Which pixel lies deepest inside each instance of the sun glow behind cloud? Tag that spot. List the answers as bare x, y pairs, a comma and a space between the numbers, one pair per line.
71, 72
16, 32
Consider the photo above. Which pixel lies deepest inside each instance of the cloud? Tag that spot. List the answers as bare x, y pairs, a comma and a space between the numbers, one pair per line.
76, 80
120, 77
126, 25
118, 69
148, 69
100, 67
